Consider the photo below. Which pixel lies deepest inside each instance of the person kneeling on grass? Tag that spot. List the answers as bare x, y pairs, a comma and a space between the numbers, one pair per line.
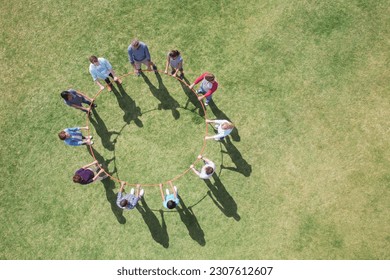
87, 174
224, 128
128, 201
74, 137
100, 68
207, 170
170, 201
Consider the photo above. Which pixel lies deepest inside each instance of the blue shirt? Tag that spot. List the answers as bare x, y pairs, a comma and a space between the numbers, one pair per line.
76, 138
102, 70
131, 198
139, 54
170, 197
76, 99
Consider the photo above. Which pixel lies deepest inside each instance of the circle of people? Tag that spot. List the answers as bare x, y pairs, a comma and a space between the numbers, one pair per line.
101, 69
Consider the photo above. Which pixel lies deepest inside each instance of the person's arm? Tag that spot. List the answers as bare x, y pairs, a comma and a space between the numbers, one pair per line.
147, 53
193, 169
212, 90
177, 69
79, 107
99, 84
173, 189
84, 127
197, 80
81, 94
206, 160
167, 65
122, 188
179, 66
90, 164
161, 191
130, 53
97, 175
138, 186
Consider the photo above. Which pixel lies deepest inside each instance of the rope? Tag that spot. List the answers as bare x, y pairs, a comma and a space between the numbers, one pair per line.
178, 176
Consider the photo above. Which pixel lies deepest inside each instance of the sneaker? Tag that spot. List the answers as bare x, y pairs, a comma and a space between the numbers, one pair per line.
141, 193
94, 105
89, 137
173, 72
167, 191
109, 88
206, 104
181, 76
132, 191
90, 143
155, 68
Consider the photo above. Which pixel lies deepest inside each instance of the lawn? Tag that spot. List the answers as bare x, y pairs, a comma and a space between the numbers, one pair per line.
306, 174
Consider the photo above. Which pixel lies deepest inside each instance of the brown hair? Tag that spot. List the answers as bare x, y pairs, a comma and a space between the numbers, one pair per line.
76, 178
174, 53
209, 77
62, 135
93, 59
123, 202
209, 170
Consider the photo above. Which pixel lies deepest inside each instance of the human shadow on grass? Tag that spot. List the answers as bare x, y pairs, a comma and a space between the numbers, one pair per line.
109, 186
222, 116
158, 231
167, 102
191, 222
102, 130
242, 166
127, 104
221, 198
192, 98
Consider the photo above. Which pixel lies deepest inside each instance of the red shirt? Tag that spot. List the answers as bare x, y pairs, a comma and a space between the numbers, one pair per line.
214, 84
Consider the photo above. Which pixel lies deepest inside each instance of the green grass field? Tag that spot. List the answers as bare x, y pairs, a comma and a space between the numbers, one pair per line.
306, 175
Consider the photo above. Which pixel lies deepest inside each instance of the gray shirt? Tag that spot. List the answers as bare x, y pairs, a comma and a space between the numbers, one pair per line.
131, 198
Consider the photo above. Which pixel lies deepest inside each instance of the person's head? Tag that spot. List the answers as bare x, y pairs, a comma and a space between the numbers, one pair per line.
94, 60
123, 203
171, 204
66, 95
174, 53
135, 43
209, 170
227, 125
62, 135
209, 77
76, 178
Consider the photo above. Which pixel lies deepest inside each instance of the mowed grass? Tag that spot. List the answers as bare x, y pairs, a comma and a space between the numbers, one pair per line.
304, 176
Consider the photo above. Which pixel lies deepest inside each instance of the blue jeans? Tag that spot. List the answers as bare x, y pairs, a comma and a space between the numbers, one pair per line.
202, 91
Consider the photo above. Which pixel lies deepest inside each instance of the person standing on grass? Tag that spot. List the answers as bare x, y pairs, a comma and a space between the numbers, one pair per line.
207, 87
207, 170
89, 173
100, 68
176, 62
74, 137
139, 54
128, 201
76, 99
224, 128
170, 200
